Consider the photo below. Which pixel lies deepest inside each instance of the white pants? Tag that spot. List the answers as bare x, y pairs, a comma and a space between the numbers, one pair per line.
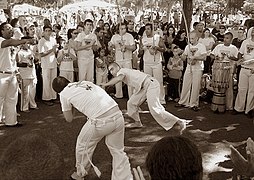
9, 97
245, 96
48, 75
67, 74
86, 70
89, 136
151, 92
28, 94
156, 72
119, 86
191, 87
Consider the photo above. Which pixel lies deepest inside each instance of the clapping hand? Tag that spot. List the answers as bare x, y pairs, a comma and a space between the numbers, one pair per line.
243, 166
138, 174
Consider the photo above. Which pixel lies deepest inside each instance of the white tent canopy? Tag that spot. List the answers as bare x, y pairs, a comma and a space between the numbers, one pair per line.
87, 4
25, 7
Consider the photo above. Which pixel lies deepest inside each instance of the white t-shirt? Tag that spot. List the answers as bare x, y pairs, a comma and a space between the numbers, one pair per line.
117, 40
27, 56
87, 97
67, 63
7, 58
247, 49
196, 50
149, 58
223, 51
48, 61
84, 39
133, 78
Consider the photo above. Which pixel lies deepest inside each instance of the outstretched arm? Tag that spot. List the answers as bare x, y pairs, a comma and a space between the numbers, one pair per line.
113, 81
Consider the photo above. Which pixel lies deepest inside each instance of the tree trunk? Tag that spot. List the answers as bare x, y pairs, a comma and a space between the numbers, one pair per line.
188, 9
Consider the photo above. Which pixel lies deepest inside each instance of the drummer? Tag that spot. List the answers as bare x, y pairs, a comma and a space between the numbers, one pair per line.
227, 52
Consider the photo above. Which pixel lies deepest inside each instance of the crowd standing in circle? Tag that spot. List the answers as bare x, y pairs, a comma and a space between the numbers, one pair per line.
32, 55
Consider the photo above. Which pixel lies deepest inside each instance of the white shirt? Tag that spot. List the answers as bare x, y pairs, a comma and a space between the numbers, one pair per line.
66, 63
7, 58
149, 58
117, 40
48, 61
196, 50
27, 56
133, 78
84, 39
87, 97
247, 49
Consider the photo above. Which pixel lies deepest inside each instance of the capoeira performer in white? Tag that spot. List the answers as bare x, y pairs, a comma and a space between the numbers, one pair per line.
104, 120
146, 87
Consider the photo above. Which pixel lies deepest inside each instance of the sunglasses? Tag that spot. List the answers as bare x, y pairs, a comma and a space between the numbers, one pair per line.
75, 33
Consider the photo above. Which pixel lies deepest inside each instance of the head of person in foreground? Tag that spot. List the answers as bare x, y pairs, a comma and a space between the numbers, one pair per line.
114, 68
31, 157
174, 158
59, 83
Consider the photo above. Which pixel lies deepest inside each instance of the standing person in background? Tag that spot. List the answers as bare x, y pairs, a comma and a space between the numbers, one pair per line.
8, 72
249, 22
245, 96
16, 28
124, 45
195, 53
153, 47
207, 40
176, 17
71, 36
47, 48
65, 59
25, 61
85, 42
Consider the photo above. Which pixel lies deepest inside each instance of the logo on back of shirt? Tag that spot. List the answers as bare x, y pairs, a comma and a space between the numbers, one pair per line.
250, 48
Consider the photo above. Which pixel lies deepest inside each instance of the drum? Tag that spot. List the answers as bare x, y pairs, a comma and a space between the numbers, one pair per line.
220, 83
220, 75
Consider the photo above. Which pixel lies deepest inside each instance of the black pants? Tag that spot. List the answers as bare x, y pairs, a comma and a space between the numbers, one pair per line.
173, 88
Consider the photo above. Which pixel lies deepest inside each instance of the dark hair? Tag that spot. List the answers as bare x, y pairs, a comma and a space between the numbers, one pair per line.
80, 25
47, 27
14, 22
203, 34
229, 34
195, 24
174, 158
179, 33
59, 83
88, 20
31, 157
2, 28
69, 36
57, 26
174, 30
149, 24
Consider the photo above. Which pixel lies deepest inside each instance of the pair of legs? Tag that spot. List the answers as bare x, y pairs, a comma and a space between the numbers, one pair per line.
8, 98
48, 75
151, 92
28, 88
91, 134
86, 70
245, 97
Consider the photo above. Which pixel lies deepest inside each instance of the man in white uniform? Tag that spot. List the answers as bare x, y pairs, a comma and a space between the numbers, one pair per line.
85, 42
124, 45
146, 87
227, 52
245, 97
104, 119
153, 47
8, 72
47, 47
195, 53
